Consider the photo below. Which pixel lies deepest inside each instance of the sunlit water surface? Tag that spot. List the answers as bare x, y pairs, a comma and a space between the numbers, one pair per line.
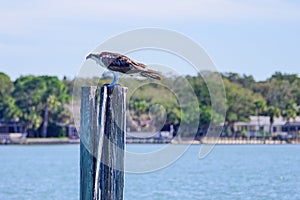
229, 172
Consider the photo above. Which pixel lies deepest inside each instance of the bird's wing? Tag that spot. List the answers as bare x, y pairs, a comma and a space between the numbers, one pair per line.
117, 61
121, 63
125, 59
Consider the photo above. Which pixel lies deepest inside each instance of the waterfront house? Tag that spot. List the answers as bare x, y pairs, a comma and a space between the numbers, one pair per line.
259, 126
12, 132
71, 131
11, 127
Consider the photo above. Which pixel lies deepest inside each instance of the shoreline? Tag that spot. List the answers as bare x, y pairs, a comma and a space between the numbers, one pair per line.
222, 140
49, 141
203, 140
43, 141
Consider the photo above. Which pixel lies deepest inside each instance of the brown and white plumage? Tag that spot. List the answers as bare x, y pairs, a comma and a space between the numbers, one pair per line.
120, 63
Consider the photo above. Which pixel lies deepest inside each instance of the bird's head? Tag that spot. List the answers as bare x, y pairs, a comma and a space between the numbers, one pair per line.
96, 56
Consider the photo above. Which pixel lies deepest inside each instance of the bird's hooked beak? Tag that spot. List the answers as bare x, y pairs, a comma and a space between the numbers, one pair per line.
97, 57
91, 55
94, 56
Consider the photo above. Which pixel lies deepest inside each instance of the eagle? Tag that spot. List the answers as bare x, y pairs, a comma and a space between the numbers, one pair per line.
116, 62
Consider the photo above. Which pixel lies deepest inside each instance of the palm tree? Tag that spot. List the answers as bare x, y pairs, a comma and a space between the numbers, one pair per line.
272, 112
260, 106
290, 112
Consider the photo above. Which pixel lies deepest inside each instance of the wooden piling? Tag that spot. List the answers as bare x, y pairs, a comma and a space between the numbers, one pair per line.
102, 139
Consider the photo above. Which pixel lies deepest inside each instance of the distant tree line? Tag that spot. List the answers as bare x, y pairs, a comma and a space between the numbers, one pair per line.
277, 96
40, 102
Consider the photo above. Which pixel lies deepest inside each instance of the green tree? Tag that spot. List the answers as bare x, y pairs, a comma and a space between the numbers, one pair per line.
138, 106
279, 89
245, 81
199, 86
40, 98
260, 107
272, 112
69, 85
240, 103
53, 98
8, 108
290, 112
28, 92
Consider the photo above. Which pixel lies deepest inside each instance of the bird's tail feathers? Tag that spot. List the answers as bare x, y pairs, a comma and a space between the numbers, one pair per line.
151, 74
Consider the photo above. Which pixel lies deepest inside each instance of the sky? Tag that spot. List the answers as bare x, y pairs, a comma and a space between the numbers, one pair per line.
53, 37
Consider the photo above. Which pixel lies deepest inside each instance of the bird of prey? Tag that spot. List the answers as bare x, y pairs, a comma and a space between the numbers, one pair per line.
119, 63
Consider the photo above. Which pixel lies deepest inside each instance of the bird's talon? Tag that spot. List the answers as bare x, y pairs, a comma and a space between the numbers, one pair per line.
110, 85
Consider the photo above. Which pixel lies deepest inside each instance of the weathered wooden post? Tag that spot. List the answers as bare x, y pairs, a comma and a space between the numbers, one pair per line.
102, 142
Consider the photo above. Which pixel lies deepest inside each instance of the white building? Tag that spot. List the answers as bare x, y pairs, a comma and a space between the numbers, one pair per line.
261, 124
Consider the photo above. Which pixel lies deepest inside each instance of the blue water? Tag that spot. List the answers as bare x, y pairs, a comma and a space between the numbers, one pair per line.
229, 172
